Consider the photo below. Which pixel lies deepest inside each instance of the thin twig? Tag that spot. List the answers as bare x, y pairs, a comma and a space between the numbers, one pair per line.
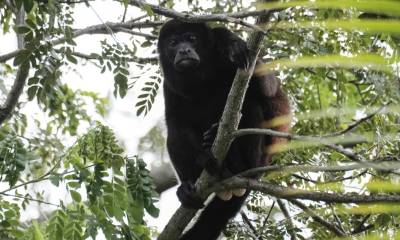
320, 140
330, 226
331, 181
285, 212
337, 219
39, 179
360, 228
149, 36
267, 217
29, 199
152, 60
354, 125
253, 230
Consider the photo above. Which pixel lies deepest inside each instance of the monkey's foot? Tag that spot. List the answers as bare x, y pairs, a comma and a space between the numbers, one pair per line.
227, 195
238, 192
187, 196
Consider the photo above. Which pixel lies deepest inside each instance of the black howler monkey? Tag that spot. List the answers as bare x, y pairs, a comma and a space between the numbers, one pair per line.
199, 64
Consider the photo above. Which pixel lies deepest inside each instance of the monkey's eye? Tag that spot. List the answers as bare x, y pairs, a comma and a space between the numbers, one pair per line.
192, 38
172, 42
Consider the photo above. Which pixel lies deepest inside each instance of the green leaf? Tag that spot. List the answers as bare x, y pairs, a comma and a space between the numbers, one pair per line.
74, 184
75, 195
146, 44
153, 211
71, 58
33, 80
28, 5
22, 29
37, 232
148, 10
30, 23
22, 57
32, 90
121, 83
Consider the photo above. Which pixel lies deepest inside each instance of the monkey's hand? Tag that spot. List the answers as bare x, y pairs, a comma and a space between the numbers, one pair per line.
187, 196
231, 47
207, 159
210, 164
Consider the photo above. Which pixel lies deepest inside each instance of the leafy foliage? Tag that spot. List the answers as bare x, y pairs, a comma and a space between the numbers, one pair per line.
147, 96
13, 157
337, 67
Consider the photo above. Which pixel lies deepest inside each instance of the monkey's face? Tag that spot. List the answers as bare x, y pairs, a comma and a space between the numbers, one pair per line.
185, 47
181, 50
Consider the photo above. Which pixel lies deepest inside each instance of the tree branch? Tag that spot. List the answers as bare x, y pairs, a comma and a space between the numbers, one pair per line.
293, 193
382, 166
30, 199
125, 30
253, 230
355, 124
330, 226
16, 90
152, 60
320, 140
285, 212
95, 29
331, 181
187, 17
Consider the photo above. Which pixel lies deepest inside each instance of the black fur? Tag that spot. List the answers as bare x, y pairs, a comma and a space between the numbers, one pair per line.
195, 91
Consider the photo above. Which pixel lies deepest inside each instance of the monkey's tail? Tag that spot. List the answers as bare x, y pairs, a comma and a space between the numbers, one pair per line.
214, 218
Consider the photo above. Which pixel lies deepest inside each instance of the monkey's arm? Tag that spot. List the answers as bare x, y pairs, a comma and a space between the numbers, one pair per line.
185, 151
231, 47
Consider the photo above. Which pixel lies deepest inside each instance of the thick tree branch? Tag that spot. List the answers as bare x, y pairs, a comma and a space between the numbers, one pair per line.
16, 90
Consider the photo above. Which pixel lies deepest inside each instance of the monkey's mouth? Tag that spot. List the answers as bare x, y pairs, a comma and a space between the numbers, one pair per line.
186, 63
